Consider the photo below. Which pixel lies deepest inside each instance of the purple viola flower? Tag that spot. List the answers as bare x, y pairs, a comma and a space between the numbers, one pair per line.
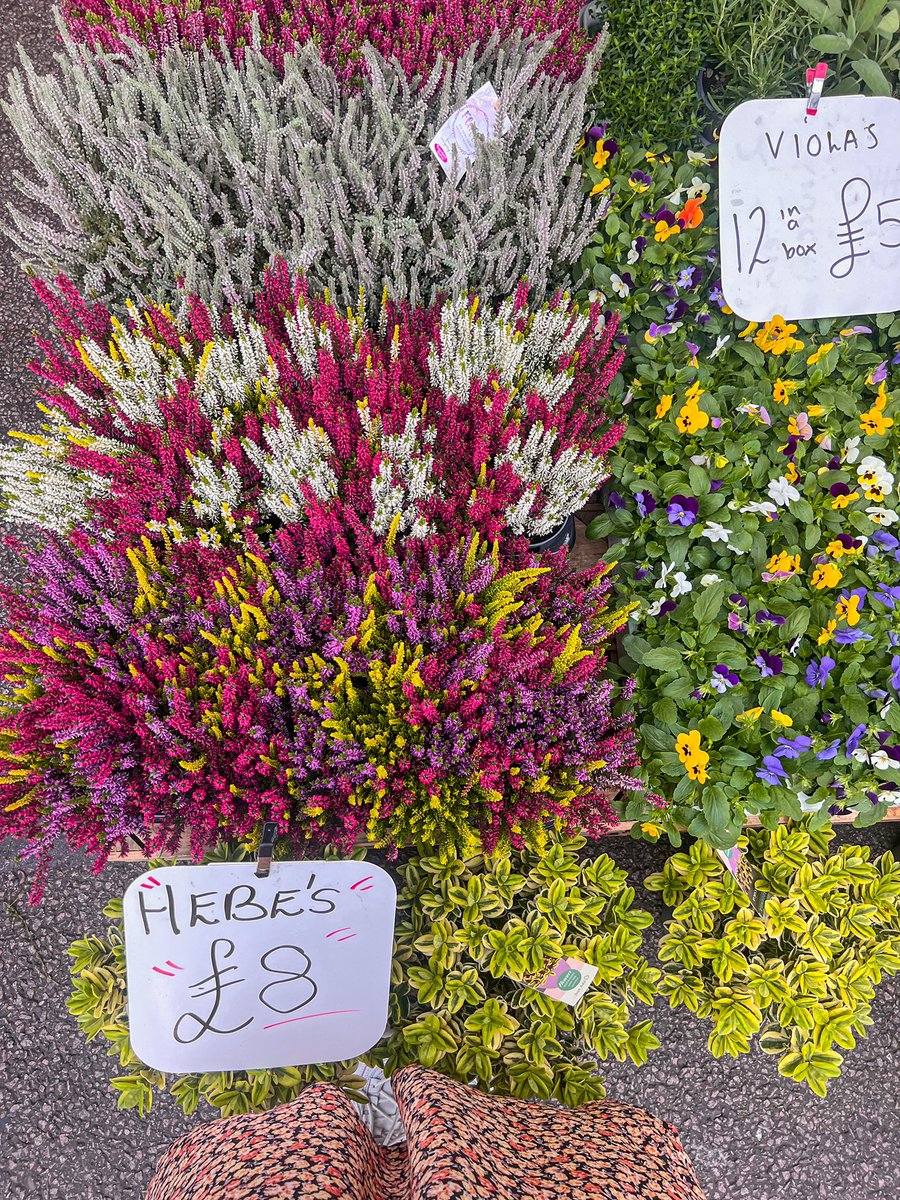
676, 310
793, 747
682, 510
895, 672
855, 738
645, 503
641, 177
614, 500
847, 637
667, 607
716, 297
597, 132
826, 718
817, 673
885, 540
738, 599
839, 489
692, 347
655, 331
642, 573
703, 319
696, 694
895, 361
715, 485
830, 751
772, 772
879, 375
722, 678
768, 664
735, 623
640, 245
887, 595
834, 464
716, 422
764, 617
662, 214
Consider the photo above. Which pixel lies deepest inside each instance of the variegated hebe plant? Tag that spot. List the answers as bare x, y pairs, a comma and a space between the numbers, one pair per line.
448, 418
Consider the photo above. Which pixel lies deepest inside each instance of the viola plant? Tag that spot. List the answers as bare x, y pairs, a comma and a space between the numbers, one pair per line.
754, 505
438, 696
471, 934
449, 418
797, 969
415, 34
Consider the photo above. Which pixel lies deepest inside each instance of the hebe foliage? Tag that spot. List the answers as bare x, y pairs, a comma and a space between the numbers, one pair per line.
469, 933
800, 973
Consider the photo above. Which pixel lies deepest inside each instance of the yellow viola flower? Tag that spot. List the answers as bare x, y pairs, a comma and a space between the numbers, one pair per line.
838, 550
601, 156
815, 410
696, 770
694, 392
600, 187
874, 422
818, 355
687, 745
791, 474
827, 633
751, 329
665, 403
826, 575
843, 501
781, 718
692, 419
663, 230
776, 337
649, 830
784, 563
847, 609
782, 388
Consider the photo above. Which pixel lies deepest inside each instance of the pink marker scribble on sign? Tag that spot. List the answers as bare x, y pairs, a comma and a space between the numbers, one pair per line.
168, 964
334, 932
360, 882
338, 1012
347, 938
154, 882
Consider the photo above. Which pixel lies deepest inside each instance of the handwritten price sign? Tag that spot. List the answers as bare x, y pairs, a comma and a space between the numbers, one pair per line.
230, 972
810, 208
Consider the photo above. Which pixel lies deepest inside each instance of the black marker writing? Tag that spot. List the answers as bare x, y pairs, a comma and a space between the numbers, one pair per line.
218, 985
291, 974
755, 261
851, 236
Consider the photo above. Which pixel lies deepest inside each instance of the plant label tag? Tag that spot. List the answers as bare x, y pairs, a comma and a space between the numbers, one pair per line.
743, 872
228, 971
810, 208
455, 144
566, 980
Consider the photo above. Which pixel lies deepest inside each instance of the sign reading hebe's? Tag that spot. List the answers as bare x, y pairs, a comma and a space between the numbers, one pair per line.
810, 208
228, 971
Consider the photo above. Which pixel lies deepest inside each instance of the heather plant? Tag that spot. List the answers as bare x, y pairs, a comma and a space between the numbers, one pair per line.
332, 684
754, 507
447, 419
179, 174
796, 969
416, 34
473, 934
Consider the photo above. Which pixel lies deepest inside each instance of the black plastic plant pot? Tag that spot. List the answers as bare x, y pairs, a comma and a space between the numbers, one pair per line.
707, 78
563, 535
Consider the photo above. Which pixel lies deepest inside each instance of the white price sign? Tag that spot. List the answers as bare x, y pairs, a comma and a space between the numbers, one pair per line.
230, 972
810, 208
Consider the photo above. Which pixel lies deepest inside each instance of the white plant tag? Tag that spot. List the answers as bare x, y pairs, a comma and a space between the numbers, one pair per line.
566, 980
457, 133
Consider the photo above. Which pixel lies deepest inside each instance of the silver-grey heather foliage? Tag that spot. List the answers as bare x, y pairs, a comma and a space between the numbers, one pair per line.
148, 169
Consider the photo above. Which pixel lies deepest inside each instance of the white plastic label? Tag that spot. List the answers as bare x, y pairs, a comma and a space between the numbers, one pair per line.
230, 972
810, 208
479, 112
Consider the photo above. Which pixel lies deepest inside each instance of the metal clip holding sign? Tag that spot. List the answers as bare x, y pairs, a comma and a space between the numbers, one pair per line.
815, 84
266, 849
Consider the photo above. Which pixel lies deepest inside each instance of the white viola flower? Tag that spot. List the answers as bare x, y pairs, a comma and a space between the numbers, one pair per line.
654, 609
665, 571
596, 296
805, 805
850, 450
721, 342
695, 157
633, 255
872, 472
716, 533
699, 187
782, 492
883, 761
710, 578
764, 508
681, 586
887, 797
619, 286
861, 756
701, 460
882, 516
